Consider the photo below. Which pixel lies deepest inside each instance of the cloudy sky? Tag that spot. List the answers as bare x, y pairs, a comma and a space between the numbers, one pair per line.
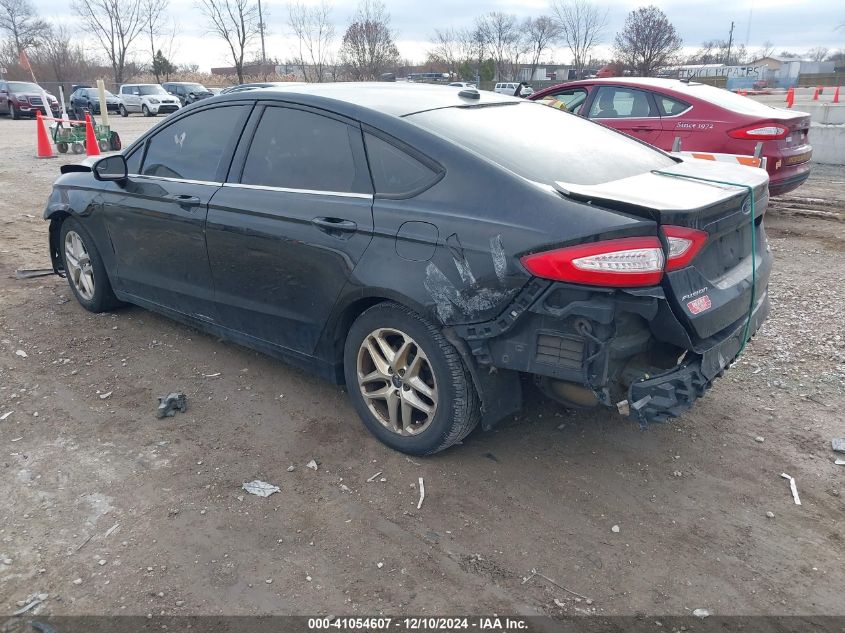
795, 25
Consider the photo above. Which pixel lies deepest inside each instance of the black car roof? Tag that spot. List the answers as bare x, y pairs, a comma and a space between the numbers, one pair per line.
397, 99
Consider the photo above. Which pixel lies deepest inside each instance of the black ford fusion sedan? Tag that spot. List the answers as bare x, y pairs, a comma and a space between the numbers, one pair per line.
427, 246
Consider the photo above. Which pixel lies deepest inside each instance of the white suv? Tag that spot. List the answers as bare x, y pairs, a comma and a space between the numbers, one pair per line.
148, 99
509, 88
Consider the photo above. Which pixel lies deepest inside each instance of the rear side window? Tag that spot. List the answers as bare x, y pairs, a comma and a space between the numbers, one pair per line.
536, 142
191, 147
395, 172
294, 149
670, 106
614, 102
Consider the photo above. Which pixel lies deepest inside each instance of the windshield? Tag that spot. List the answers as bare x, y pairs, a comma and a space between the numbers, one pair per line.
543, 144
195, 88
152, 90
23, 86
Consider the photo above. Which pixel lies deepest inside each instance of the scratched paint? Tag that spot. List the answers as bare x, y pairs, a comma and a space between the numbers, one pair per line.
500, 260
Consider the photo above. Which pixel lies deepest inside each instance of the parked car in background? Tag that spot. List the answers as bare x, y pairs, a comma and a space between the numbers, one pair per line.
514, 89
187, 92
147, 99
83, 99
257, 85
704, 118
216, 91
24, 98
426, 247
461, 84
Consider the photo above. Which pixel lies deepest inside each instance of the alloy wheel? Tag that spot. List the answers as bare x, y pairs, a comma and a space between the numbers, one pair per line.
397, 381
80, 270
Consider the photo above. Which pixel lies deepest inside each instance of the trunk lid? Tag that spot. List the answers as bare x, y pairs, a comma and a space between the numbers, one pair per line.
713, 293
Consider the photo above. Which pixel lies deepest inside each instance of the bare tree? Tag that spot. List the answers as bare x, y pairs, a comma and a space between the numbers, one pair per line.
155, 17
647, 42
582, 26
368, 48
766, 50
312, 26
503, 38
818, 54
540, 33
236, 23
447, 49
115, 24
19, 19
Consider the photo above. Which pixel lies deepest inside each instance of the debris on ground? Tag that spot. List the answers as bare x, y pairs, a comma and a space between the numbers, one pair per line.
211, 375
106, 395
615, 529
30, 603
291, 468
31, 273
373, 478
5, 415
111, 530
21, 353
840, 462
838, 444
422, 493
536, 573
260, 488
171, 403
701, 613
312, 464
770, 514
793, 488
760, 438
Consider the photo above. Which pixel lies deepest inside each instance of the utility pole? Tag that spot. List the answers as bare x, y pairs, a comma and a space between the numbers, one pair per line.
730, 43
264, 52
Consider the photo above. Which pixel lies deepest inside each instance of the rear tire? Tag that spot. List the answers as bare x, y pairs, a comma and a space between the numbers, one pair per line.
86, 273
429, 401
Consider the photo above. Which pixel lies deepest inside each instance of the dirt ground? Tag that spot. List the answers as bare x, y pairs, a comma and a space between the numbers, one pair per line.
109, 510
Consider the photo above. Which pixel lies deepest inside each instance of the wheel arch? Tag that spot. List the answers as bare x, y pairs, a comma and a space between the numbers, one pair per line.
57, 218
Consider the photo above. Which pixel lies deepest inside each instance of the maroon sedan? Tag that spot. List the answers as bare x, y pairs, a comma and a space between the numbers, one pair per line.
704, 118
24, 98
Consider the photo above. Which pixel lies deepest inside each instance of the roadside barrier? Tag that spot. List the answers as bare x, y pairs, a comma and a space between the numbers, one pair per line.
748, 161
45, 149
92, 148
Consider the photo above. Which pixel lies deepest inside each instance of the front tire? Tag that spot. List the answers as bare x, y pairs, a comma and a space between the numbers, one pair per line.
146, 110
123, 111
86, 273
13, 111
407, 382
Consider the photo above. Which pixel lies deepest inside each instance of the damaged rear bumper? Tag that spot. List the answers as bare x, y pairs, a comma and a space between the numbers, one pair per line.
620, 348
668, 395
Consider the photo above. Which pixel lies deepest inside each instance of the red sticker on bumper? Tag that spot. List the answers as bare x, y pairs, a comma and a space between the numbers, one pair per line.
699, 305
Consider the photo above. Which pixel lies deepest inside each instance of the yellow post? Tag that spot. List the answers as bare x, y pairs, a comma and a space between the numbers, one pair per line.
104, 109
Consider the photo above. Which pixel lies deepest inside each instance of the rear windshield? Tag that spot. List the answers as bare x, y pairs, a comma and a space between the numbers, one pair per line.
727, 99
543, 144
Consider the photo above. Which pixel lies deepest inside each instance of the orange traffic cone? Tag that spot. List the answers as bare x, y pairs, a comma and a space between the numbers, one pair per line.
790, 97
92, 148
45, 149
816, 94
836, 95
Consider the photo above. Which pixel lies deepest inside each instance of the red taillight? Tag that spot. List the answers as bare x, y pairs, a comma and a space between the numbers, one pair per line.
760, 132
684, 245
624, 262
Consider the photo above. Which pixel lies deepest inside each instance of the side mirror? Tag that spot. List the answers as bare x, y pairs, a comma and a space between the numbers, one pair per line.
110, 169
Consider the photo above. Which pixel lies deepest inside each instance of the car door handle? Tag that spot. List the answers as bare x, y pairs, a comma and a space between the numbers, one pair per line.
335, 225
183, 200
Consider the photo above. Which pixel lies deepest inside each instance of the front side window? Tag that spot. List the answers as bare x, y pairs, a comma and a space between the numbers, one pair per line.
295, 149
616, 102
191, 147
573, 98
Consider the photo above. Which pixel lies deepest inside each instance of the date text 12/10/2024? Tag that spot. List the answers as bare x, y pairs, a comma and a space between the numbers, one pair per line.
480, 623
